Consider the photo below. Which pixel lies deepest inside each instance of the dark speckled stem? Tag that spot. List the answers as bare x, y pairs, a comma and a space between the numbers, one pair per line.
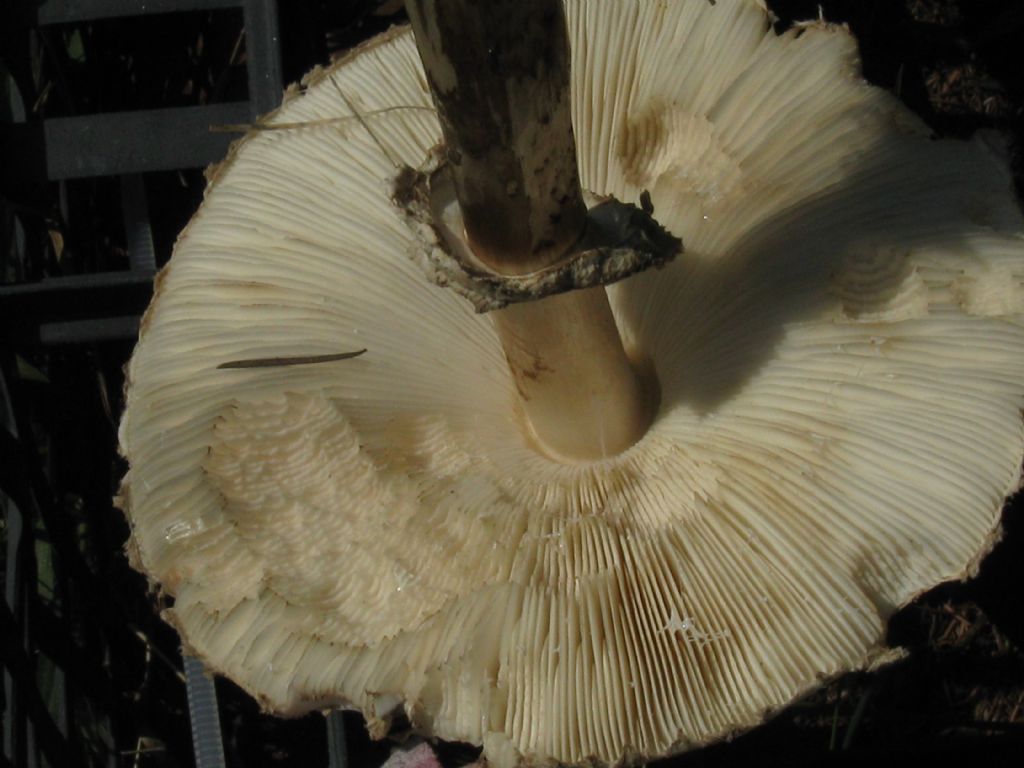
499, 75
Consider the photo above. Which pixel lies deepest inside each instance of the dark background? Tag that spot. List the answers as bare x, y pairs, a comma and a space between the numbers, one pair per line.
89, 642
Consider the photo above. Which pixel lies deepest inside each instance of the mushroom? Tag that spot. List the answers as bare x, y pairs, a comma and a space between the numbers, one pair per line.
840, 356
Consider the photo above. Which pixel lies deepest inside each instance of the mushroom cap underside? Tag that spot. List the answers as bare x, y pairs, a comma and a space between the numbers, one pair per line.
840, 354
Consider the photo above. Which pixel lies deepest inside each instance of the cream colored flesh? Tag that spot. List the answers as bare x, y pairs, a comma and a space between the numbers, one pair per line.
841, 360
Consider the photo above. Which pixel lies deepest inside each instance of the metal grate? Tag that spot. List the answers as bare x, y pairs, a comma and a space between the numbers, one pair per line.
126, 144
59, 310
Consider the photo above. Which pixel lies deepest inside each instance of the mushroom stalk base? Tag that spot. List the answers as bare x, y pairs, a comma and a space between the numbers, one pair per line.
583, 398
499, 75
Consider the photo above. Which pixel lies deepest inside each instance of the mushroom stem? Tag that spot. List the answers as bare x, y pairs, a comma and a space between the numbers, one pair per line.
499, 75
582, 397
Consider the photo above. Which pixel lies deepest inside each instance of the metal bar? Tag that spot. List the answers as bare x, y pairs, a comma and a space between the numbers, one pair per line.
263, 54
337, 753
66, 11
87, 281
129, 142
81, 297
203, 715
82, 331
14, 716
